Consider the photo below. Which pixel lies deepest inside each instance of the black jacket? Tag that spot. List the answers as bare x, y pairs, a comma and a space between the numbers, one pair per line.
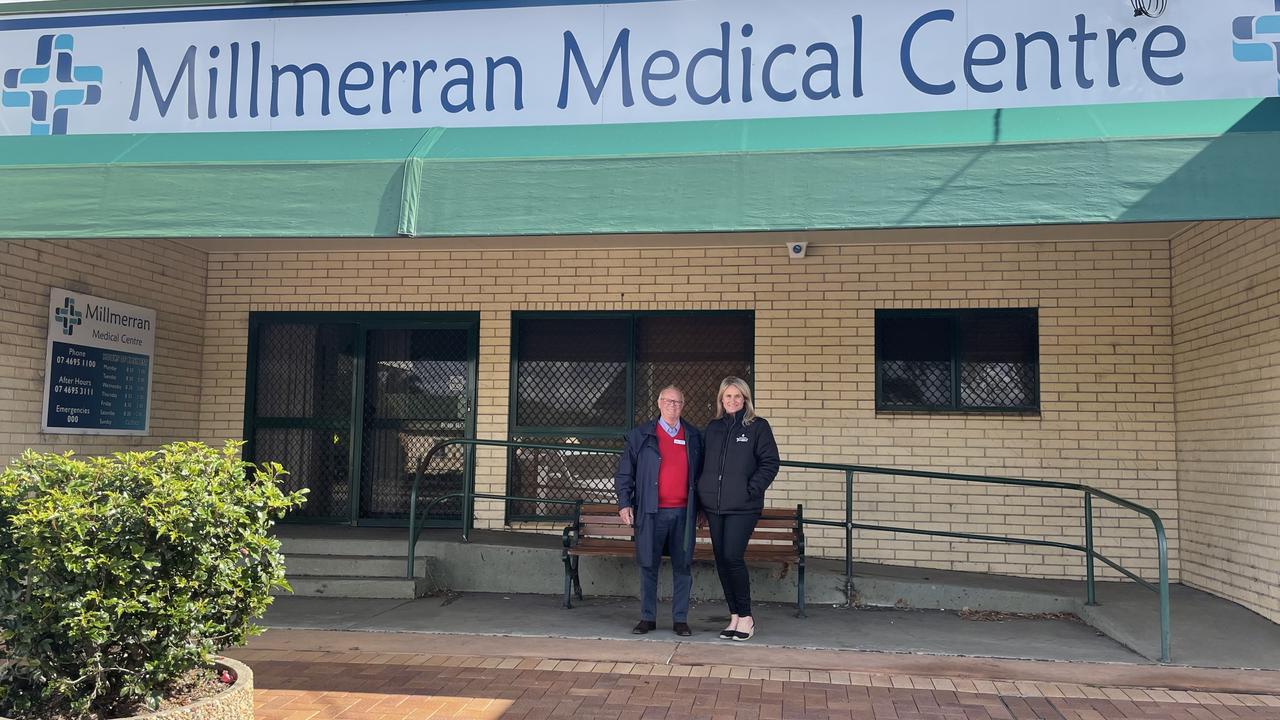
740, 463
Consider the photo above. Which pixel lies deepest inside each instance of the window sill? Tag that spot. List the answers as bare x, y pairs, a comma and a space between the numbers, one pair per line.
1031, 414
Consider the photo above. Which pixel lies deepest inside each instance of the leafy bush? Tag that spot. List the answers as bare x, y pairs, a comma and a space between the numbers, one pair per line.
119, 575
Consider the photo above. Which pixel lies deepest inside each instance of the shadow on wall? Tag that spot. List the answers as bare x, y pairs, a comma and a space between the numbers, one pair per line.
957, 176
1231, 176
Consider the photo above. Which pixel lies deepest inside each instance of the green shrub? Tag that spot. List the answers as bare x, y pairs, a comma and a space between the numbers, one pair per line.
119, 575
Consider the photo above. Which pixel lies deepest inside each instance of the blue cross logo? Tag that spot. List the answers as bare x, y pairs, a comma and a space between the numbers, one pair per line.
1248, 46
52, 86
68, 315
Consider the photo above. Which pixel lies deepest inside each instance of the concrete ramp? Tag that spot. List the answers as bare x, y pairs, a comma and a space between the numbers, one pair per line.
1207, 631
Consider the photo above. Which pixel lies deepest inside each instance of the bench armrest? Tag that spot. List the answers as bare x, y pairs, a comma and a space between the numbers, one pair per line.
572, 533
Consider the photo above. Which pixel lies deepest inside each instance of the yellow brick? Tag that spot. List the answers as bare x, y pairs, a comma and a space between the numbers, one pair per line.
1116, 319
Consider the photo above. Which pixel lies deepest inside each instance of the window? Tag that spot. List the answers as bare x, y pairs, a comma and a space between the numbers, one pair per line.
957, 360
589, 378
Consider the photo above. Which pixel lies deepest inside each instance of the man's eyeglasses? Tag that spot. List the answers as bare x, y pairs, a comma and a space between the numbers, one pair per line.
668, 401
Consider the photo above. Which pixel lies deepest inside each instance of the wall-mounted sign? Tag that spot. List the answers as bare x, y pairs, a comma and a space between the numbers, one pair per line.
422, 63
98, 374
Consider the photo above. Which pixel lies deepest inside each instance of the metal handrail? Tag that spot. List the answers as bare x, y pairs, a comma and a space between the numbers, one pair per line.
1091, 555
468, 492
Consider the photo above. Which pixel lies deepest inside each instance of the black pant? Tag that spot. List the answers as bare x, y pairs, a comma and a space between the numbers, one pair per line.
729, 536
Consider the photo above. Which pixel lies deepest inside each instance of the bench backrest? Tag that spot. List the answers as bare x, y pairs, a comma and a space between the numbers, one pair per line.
777, 526
601, 520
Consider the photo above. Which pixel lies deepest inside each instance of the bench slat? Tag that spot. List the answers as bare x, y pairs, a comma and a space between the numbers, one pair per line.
610, 519
787, 522
616, 548
758, 532
613, 519
591, 546
788, 514
590, 529
773, 528
607, 530
754, 552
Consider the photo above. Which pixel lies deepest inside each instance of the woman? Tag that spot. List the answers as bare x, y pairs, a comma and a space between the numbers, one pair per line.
740, 460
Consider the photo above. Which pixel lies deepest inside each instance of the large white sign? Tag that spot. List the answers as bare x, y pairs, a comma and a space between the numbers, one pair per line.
98, 374
539, 62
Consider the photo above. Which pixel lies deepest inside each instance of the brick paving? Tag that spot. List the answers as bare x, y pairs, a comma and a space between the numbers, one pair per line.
322, 684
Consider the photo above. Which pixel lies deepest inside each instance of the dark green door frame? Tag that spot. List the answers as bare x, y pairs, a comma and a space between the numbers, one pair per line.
362, 323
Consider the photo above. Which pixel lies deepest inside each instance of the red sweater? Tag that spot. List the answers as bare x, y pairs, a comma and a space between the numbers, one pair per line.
673, 473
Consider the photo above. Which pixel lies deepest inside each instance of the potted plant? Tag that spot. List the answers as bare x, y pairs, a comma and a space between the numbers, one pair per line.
121, 577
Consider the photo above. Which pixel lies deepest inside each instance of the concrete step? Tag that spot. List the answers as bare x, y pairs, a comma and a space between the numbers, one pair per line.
382, 545
304, 564
358, 587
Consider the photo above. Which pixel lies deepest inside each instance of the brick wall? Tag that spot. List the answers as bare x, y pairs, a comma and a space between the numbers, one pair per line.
164, 276
1106, 364
1226, 300
1106, 316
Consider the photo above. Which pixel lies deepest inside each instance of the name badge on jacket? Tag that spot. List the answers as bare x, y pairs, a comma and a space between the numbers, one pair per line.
680, 442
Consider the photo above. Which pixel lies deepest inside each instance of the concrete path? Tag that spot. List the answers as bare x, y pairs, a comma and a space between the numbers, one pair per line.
478, 655
337, 675
826, 627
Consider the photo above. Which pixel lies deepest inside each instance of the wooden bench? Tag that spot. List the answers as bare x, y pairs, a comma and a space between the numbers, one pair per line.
598, 531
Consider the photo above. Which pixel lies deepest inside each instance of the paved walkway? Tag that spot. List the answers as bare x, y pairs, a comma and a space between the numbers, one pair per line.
323, 675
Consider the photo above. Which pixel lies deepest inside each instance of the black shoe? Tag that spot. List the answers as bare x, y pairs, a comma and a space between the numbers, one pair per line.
744, 636
727, 634
682, 629
643, 627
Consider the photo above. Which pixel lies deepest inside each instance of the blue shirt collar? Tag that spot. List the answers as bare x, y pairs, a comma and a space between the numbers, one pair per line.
671, 430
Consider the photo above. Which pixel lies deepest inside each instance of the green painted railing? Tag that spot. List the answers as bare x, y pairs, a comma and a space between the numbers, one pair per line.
850, 471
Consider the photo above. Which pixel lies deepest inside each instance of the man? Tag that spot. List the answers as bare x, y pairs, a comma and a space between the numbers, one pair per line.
656, 482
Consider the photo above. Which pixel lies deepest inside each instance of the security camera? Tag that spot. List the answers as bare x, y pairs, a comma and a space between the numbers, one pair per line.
795, 249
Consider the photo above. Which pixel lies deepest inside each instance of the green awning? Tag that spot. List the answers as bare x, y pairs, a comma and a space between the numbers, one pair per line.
1100, 164
211, 185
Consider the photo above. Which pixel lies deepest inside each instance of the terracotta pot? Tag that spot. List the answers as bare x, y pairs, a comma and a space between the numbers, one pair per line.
234, 703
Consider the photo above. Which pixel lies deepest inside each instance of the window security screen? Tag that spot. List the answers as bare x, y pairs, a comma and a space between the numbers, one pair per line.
588, 379
959, 360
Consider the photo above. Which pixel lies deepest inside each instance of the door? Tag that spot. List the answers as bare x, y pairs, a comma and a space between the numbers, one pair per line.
351, 403
417, 393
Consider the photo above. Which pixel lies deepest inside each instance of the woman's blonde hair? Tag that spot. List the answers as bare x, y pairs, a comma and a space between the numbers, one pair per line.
749, 413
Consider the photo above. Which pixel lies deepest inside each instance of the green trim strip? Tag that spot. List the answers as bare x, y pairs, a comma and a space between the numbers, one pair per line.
1112, 163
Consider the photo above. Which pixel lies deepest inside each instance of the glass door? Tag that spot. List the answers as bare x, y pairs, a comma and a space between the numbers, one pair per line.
351, 403
418, 385
301, 380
